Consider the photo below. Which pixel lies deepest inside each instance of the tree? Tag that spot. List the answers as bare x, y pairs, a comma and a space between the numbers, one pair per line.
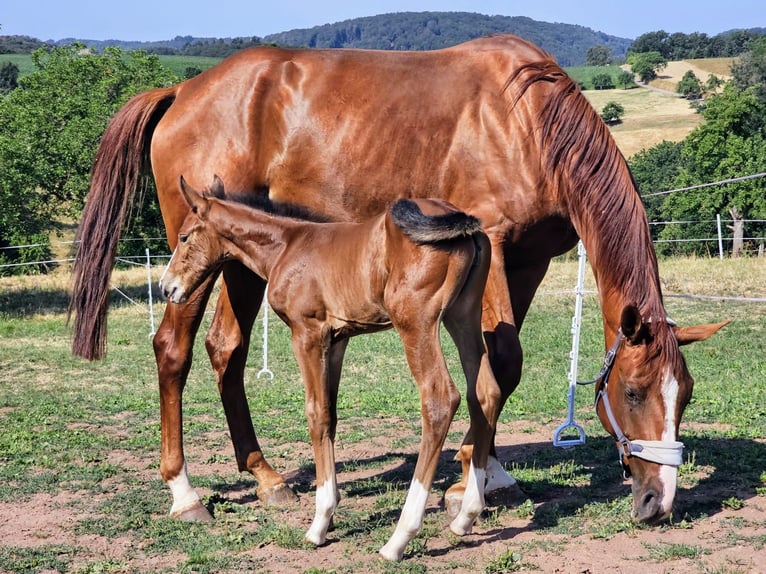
9, 77
612, 112
598, 56
730, 143
50, 127
750, 69
690, 86
646, 65
602, 82
625, 79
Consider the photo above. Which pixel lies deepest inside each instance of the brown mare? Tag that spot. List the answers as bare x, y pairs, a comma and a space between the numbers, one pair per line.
494, 125
420, 263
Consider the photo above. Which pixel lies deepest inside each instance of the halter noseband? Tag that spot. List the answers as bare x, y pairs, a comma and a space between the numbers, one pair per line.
659, 451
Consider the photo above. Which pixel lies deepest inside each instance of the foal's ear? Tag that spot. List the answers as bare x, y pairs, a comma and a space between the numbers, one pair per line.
194, 199
632, 325
687, 335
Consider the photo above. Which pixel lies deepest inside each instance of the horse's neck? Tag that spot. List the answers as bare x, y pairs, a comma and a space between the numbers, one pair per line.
623, 261
256, 239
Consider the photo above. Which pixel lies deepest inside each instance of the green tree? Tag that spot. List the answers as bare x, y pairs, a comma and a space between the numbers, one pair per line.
730, 143
598, 56
612, 112
625, 79
9, 77
656, 169
646, 65
602, 82
50, 127
750, 68
690, 86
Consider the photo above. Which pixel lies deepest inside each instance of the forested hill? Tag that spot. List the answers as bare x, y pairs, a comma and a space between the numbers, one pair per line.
398, 31
431, 30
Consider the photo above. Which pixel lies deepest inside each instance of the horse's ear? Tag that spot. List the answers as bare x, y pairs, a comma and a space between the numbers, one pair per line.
194, 199
632, 324
688, 335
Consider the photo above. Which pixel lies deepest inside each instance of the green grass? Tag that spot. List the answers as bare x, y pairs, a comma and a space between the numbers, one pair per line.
87, 436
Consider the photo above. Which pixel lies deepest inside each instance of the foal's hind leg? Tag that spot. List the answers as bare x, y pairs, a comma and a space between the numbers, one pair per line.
227, 345
439, 399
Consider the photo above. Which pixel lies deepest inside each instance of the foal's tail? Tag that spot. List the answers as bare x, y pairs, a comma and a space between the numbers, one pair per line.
450, 223
122, 158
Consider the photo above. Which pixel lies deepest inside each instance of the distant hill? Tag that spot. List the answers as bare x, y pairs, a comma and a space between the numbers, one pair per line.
432, 30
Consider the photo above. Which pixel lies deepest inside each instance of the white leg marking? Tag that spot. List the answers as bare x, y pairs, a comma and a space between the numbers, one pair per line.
669, 474
473, 502
496, 476
184, 496
410, 522
327, 500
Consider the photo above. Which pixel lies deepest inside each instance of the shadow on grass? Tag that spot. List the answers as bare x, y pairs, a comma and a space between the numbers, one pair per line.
26, 301
728, 469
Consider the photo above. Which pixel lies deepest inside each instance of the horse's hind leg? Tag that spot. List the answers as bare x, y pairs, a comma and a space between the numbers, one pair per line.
227, 345
173, 351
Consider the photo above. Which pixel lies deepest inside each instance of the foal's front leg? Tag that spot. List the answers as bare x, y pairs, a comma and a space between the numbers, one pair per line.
320, 363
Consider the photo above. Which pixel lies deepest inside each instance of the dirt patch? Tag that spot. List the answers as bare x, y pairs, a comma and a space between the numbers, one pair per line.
728, 540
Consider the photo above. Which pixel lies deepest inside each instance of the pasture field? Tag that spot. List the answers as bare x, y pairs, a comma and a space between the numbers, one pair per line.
79, 449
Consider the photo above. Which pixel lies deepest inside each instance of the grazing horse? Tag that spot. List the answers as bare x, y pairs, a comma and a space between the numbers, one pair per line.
420, 263
494, 126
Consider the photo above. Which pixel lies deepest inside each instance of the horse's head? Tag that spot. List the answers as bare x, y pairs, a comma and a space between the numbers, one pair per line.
199, 250
642, 393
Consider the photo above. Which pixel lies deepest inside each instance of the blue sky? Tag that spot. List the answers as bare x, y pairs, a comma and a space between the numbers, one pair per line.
165, 19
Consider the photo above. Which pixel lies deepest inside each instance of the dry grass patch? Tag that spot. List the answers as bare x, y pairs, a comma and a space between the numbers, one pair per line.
650, 117
670, 76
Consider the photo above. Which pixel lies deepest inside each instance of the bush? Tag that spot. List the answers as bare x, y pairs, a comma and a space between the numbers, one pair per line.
612, 113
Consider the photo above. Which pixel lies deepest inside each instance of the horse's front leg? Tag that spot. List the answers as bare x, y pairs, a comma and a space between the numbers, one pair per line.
319, 364
173, 351
227, 345
439, 399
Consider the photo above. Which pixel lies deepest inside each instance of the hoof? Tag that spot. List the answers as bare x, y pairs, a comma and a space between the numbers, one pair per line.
507, 496
453, 500
195, 513
278, 495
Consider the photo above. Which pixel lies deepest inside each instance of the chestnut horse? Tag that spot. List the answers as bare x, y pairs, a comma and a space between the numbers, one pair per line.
494, 125
420, 263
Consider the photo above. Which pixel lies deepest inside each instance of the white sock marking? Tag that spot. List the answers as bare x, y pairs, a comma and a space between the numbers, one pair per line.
410, 522
326, 501
184, 495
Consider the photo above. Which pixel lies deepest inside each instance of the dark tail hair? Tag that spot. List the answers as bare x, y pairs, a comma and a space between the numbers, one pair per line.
422, 228
120, 161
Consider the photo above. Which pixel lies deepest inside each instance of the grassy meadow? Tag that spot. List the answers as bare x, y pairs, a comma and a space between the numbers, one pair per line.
79, 448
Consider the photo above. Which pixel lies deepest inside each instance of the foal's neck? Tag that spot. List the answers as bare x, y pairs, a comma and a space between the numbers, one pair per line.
256, 238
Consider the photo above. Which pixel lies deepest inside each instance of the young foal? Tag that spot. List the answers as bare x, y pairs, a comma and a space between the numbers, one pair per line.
417, 264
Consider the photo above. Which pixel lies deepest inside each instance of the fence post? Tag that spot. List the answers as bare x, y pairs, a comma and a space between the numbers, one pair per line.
720, 237
149, 287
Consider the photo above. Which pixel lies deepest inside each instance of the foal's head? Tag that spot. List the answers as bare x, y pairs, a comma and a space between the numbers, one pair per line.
200, 249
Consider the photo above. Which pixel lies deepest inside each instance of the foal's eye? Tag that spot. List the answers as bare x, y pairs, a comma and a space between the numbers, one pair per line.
183, 237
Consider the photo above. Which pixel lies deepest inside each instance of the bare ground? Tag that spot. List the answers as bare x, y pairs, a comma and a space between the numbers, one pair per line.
727, 541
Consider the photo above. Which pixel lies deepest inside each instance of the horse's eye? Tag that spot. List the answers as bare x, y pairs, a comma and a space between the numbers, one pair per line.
183, 237
632, 396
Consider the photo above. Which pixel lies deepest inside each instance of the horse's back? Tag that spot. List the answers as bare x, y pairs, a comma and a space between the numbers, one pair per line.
325, 127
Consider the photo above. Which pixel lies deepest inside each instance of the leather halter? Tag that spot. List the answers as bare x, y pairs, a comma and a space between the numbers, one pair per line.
663, 452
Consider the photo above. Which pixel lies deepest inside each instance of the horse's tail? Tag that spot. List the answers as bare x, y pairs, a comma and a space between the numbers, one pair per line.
122, 157
427, 228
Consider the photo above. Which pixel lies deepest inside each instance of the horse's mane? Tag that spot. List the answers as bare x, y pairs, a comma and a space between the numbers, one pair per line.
583, 164
279, 208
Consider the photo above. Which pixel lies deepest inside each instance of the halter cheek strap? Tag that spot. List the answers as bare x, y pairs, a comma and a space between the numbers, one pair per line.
659, 451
